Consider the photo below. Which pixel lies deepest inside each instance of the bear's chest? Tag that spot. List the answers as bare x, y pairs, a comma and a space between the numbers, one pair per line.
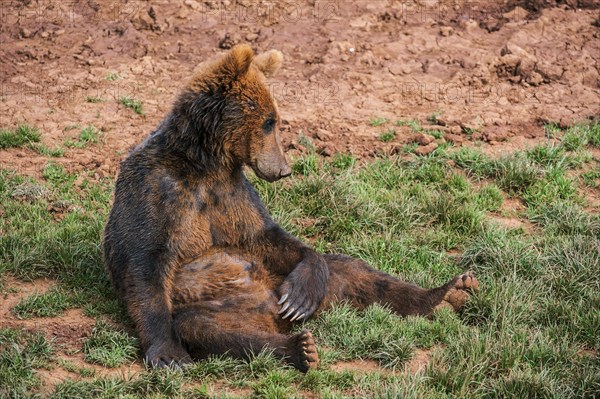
216, 217
233, 218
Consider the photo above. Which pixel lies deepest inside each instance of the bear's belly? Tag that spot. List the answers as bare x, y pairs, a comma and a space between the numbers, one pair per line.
220, 277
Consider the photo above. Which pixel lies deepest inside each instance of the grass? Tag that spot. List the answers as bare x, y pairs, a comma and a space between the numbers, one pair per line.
28, 137
388, 135
87, 135
111, 77
378, 121
19, 137
93, 99
47, 304
135, 105
109, 347
530, 332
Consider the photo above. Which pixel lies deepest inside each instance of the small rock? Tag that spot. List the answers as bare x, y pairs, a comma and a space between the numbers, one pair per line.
193, 4
454, 138
517, 14
497, 137
25, 33
424, 139
455, 129
469, 25
323, 135
446, 31
429, 148
251, 37
549, 71
326, 150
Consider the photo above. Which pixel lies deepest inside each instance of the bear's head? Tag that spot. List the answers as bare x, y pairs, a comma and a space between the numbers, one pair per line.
234, 114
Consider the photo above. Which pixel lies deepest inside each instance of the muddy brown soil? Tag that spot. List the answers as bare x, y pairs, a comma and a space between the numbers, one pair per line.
497, 70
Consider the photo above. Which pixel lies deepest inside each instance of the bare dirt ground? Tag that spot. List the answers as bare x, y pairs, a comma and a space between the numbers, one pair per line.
491, 71
498, 70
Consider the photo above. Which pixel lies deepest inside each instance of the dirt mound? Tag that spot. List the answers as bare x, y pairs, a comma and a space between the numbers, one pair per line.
487, 71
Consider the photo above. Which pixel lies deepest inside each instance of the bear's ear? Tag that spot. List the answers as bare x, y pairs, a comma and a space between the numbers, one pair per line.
269, 62
237, 62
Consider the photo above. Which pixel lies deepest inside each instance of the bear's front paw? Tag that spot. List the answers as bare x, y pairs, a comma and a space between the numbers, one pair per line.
303, 290
167, 354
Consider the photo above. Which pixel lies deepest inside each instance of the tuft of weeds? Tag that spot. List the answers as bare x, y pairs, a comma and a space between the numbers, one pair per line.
18, 137
514, 173
593, 134
436, 134
547, 154
473, 161
575, 138
108, 346
433, 118
489, 198
27, 136
342, 161
307, 165
415, 125
111, 77
48, 152
48, 304
20, 353
410, 148
378, 121
133, 104
93, 99
591, 178
87, 135
388, 135
552, 130
555, 186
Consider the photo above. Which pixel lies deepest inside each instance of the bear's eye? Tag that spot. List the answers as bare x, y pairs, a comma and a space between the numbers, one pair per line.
269, 125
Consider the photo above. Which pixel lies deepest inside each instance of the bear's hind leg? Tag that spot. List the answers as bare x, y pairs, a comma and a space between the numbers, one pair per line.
205, 333
355, 281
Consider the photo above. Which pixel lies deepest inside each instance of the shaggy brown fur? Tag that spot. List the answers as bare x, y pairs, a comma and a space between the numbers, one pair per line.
192, 250
226, 302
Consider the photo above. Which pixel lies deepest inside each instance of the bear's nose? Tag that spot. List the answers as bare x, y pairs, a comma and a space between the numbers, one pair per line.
285, 171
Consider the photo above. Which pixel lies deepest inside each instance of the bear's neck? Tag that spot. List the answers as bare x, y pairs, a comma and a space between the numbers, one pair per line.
191, 132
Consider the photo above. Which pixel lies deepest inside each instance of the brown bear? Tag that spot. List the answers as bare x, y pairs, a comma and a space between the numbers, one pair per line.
194, 253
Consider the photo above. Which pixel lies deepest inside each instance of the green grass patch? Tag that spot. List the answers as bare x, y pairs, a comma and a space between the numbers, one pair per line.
87, 135
133, 104
93, 99
20, 354
109, 347
19, 137
46, 151
48, 304
378, 121
530, 332
388, 135
111, 77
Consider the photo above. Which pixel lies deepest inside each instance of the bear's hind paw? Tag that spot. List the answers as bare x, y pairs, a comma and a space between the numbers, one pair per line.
303, 351
458, 293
